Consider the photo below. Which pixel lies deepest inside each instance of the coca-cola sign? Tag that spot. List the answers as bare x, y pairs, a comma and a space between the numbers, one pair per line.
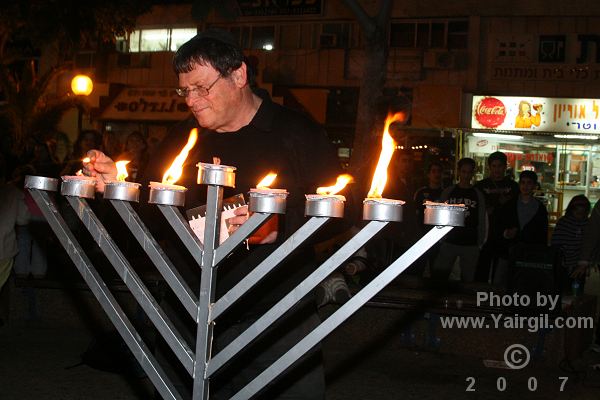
490, 112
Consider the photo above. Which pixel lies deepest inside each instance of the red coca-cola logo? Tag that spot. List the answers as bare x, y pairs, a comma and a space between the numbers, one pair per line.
490, 112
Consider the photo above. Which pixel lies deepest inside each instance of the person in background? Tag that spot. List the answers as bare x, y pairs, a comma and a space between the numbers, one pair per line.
86, 141
498, 189
524, 221
568, 236
13, 212
463, 242
588, 258
136, 151
431, 192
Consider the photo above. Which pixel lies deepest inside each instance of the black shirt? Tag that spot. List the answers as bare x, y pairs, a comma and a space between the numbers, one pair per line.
467, 235
422, 195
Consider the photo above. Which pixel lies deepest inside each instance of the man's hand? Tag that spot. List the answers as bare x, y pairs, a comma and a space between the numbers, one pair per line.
101, 166
267, 233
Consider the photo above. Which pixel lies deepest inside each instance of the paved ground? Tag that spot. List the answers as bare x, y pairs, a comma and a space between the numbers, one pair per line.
367, 358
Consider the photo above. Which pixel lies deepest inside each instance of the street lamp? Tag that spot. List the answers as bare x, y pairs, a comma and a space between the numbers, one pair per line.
82, 86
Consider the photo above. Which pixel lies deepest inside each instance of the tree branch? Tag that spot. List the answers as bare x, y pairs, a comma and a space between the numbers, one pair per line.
365, 21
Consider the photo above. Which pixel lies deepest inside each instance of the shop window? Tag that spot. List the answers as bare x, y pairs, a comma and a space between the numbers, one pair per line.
334, 36
430, 34
154, 40
149, 40
402, 35
458, 34
180, 36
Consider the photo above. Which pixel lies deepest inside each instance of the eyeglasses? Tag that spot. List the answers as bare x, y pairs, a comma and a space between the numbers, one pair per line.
199, 90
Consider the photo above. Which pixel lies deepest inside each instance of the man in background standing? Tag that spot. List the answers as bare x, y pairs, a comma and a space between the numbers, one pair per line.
498, 190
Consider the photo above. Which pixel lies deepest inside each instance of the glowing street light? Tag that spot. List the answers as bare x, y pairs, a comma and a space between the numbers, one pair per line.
81, 86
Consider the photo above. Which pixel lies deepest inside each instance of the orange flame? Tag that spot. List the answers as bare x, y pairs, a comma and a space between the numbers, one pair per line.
176, 169
79, 173
86, 160
267, 181
122, 170
340, 184
387, 150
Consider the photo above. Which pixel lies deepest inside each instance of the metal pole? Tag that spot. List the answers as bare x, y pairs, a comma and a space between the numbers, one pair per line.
287, 302
133, 282
343, 313
183, 230
214, 205
269, 263
244, 231
107, 301
157, 255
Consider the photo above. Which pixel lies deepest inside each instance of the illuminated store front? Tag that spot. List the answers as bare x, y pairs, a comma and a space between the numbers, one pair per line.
557, 138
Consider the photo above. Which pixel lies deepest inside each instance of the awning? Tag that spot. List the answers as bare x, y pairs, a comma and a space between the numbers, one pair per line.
147, 104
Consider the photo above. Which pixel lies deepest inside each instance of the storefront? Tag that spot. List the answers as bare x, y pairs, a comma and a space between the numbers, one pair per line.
557, 138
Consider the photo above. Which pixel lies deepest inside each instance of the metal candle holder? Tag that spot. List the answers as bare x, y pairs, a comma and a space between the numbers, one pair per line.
78, 186
203, 363
272, 201
120, 190
215, 174
41, 183
375, 209
324, 206
444, 214
165, 194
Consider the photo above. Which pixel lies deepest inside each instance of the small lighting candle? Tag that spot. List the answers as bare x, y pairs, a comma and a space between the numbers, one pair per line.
121, 189
78, 186
267, 200
326, 203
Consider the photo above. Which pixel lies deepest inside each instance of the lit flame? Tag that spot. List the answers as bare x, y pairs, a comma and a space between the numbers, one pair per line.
79, 173
176, 169
387, 150
86, 160
340, 183
122, 170
267, 181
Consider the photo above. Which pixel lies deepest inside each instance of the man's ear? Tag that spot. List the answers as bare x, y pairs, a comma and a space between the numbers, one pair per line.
240, 76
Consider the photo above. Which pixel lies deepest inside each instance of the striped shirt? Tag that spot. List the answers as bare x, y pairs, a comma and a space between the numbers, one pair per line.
567, 236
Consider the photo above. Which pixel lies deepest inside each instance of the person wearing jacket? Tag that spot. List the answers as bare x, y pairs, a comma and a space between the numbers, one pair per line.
525, 222
465, 242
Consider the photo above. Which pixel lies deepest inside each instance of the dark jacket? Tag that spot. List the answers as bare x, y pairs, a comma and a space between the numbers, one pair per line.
535, 232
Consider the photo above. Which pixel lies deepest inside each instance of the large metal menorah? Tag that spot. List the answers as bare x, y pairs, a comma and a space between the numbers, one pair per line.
205, 308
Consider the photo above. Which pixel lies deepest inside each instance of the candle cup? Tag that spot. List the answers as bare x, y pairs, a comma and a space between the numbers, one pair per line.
78, 186
442, 214
387, 210
168, 195
121, 190
41, 183
271, 201
324, 206
219, 175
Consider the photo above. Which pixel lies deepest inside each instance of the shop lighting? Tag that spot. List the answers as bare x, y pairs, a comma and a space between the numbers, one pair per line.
497, 136
511, 151
584, 137
267, 46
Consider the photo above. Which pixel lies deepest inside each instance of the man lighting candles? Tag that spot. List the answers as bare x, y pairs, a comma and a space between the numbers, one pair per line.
256, 136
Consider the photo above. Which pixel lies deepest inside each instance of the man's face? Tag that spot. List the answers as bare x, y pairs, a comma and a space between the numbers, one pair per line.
465, 174
497, 170
527, 186
435, 175
218, 108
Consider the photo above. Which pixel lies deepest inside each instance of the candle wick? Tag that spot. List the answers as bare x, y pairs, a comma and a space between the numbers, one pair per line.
216, 161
